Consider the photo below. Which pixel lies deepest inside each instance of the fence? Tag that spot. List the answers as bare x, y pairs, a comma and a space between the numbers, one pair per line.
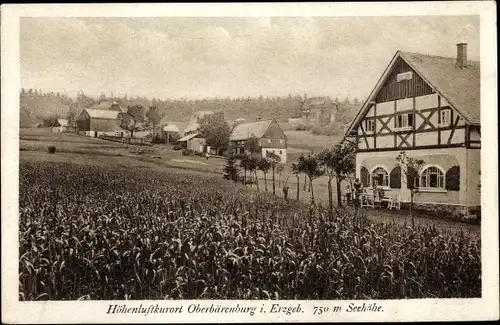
133, 141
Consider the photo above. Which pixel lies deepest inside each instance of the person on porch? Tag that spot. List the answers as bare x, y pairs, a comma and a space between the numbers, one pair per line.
348, 194
358, 189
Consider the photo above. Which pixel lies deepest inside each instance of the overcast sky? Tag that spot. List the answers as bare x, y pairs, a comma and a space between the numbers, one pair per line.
208, 57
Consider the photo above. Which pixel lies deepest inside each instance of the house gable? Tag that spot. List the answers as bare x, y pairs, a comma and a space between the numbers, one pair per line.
274, 131
402, 82
83, 115
404, 111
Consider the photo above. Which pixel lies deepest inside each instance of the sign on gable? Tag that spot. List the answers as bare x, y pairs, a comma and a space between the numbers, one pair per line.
404, 76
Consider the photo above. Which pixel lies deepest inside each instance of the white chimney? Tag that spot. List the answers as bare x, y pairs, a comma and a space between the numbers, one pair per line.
462, 55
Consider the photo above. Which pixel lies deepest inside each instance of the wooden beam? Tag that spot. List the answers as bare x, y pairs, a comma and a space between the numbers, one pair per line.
467, 136
452, 133
457, 145
414, 121
375, 126
394, 128
439, 119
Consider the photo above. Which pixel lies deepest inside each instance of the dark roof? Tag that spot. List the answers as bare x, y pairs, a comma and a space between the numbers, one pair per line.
460, 86
245, 131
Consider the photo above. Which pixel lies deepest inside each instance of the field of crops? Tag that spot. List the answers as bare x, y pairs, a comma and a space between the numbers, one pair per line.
95, 232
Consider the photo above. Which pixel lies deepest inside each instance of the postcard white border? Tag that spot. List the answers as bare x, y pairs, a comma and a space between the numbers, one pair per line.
13, 311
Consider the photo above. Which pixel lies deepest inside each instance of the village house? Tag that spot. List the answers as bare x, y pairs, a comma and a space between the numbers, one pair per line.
429, 107
269, 134
62, 126
320, 110
168, 132
193, 142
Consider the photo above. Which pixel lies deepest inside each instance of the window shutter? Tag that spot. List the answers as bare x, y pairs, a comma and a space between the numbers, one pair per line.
364, 176
452, 179
395, 177
411, 174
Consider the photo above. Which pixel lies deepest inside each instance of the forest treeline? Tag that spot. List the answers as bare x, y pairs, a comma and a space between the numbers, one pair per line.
37, 106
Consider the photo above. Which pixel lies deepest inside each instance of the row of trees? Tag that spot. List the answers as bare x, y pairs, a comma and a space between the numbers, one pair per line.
251, 163
336, 163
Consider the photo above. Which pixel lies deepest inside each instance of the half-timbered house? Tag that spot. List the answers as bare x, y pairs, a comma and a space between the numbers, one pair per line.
429, 107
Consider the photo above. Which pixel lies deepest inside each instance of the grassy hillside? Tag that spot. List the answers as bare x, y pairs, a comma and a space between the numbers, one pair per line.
35, 107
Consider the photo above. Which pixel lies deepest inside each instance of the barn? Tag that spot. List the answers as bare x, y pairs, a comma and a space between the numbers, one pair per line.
95, 122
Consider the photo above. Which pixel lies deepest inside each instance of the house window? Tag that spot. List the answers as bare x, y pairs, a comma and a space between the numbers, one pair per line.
281, 152
268, 140
379, 177
445, 117
404, 121
281, 141
369, 126
432, 177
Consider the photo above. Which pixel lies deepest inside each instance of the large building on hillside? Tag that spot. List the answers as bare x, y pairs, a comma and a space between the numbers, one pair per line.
320, 110
95, 122
269, 134
429, 107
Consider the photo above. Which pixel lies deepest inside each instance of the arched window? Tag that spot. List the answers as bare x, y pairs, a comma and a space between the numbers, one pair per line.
432, 177
380, 177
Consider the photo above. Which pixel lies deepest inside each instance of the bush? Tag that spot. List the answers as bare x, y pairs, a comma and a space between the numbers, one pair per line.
178, 146
331, 129
301, 127
187, 152
200, 154
51, 148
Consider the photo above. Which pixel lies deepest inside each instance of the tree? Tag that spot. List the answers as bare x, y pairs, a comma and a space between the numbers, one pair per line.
50, 121
312, 168
264, 165
252, 167
71, 115
215, 129
296, 170
410, 169
338, 162
244, 163
279, 169
153, 119
252, 145
230, 169
128, 120
274, 160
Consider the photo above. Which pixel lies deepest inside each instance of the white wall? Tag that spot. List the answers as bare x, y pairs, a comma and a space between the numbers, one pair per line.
277, 151
468, 160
